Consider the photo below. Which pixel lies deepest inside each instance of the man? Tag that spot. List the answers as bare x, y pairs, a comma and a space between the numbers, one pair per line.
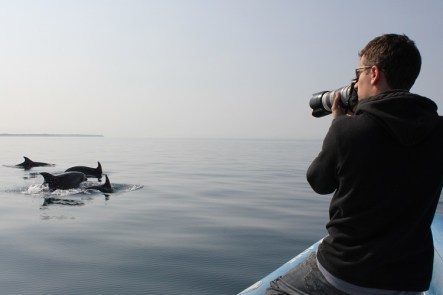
385, 165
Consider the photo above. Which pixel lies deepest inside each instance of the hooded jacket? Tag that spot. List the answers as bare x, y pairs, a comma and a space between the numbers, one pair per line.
385, 165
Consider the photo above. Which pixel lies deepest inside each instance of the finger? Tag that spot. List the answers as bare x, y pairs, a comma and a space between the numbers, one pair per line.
336, 103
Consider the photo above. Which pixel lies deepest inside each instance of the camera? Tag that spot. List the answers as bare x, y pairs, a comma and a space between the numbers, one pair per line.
321, 102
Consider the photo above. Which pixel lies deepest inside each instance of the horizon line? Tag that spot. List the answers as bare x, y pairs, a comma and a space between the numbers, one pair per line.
49, 135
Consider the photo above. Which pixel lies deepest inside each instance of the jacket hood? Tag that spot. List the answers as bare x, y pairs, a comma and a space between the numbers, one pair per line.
408, 117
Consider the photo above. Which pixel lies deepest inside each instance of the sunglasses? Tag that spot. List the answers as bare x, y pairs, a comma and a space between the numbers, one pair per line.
360, 70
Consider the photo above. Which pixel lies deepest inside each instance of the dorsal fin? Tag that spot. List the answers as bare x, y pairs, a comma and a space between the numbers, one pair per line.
99, 168
27, 160
107, 182
106, 187
47, 177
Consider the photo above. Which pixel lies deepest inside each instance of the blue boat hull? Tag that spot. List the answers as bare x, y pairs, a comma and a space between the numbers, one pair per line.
436, 288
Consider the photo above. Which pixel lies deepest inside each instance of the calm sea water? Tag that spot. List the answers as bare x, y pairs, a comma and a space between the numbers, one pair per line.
188, 217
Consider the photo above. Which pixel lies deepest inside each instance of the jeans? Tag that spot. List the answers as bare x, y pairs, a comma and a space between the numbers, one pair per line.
304, 279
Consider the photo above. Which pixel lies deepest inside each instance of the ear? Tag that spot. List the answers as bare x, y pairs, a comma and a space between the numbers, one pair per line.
375, 75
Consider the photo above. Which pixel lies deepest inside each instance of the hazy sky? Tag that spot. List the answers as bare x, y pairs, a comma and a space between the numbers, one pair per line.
191, 68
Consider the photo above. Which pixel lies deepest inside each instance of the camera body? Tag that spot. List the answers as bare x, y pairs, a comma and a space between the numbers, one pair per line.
321, 102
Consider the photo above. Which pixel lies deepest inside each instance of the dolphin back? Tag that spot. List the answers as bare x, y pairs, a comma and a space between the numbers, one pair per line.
28, 164
88, 171
67, 180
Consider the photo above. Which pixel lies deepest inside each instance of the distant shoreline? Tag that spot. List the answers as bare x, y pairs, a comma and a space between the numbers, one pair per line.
48, 135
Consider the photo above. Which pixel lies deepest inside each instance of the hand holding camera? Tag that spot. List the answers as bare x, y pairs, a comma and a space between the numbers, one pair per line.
322, 103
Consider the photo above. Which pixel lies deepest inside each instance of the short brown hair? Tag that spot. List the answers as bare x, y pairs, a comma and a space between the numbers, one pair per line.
397, 57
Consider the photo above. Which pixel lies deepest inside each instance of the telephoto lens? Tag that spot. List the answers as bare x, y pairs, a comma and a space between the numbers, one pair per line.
321, 102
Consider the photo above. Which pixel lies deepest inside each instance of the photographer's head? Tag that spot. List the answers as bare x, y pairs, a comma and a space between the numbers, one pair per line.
387, 62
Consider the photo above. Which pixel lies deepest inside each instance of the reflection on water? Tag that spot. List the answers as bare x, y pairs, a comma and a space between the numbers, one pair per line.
31, 175
64, 202
61, 217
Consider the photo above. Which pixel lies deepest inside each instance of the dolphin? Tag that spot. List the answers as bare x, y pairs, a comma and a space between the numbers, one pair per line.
28, 164
88, 171
104, 188
66, 180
